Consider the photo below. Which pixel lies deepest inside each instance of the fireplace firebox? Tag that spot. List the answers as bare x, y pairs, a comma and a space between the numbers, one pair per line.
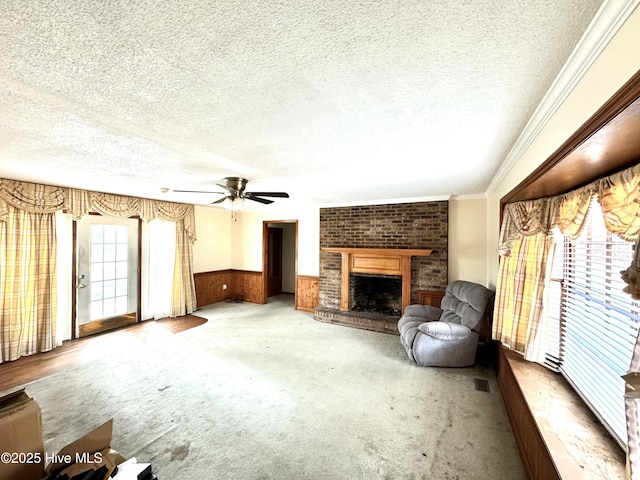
375, 293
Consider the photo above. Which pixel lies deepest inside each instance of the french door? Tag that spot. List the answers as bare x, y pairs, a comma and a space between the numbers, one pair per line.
106, 273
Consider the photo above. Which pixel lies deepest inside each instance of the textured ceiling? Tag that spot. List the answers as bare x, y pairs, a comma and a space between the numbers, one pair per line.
334, 101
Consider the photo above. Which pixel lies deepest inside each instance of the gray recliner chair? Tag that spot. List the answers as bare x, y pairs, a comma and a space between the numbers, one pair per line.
447, 336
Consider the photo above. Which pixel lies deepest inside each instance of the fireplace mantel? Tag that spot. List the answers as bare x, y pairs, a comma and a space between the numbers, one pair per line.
386, 261
410, 252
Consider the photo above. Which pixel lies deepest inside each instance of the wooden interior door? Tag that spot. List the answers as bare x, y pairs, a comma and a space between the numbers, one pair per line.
274, 261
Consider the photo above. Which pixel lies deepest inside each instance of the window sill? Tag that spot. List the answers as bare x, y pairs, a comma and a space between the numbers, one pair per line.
575, 441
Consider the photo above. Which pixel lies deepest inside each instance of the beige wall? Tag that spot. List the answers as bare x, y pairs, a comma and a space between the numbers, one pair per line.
246, 248
468, 240
212, 250
616, 64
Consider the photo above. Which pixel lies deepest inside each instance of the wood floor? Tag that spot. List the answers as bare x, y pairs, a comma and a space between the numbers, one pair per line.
73, 353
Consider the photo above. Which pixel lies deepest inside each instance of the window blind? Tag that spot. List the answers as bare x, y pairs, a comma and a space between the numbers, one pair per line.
598, 321
552, 358
554, 305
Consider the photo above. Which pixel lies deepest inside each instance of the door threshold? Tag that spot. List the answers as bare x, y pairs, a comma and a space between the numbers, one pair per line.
100, 326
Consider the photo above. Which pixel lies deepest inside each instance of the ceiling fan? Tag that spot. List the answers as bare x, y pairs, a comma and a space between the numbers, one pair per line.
234, 187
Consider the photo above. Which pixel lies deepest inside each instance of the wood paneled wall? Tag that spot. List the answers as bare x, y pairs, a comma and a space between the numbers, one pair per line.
209, 286
249, 286
536, 459
430, 297
307, 291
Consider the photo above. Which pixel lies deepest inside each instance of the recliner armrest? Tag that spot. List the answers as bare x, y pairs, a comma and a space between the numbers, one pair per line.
445, 330
425, 311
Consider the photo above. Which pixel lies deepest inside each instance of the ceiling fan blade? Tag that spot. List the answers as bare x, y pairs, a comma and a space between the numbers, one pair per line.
198, 191
234, 187
257, 199
269, 194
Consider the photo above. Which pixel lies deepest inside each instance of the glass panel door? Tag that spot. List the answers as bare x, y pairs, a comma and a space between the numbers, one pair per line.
107, 282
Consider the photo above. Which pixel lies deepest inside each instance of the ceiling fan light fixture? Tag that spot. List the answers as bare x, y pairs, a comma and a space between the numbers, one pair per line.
234, 204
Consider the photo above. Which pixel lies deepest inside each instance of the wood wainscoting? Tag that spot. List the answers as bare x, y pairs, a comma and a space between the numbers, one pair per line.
210, 286
249, 287
307, 293
240, 284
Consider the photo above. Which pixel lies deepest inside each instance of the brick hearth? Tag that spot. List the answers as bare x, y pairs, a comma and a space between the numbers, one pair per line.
377, 322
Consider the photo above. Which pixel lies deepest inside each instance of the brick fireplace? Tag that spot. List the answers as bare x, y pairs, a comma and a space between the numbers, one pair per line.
414, 235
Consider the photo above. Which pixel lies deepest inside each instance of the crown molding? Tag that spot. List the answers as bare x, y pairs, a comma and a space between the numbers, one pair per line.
604, 26
388, 201
470, 196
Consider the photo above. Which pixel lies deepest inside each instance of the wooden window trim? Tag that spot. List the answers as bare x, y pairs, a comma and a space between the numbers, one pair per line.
572, 166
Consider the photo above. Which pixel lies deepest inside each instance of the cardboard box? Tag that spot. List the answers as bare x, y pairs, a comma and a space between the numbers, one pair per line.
21, 445
22, 455
87, 453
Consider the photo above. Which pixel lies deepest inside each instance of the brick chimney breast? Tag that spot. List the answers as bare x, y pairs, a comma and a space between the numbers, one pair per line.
421, 225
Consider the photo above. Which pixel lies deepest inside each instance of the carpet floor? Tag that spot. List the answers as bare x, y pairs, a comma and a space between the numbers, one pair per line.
266, 392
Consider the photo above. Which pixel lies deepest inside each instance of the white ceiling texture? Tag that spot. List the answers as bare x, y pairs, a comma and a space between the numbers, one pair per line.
335, 102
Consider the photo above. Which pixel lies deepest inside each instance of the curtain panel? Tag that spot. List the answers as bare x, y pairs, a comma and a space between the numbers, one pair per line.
28, 283
183, 298
28, 235
157, 290
519, 320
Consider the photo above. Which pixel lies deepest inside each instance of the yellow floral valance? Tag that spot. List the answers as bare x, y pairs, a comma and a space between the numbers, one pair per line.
619, 197
526, 218
37, 198
573, 208
30, 197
